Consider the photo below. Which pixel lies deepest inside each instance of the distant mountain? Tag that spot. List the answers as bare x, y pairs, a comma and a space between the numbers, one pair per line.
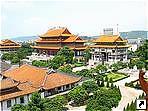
25, 38
128, 35
134, 34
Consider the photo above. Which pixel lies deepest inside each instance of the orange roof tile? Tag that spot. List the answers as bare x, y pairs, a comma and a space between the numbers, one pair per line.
46, 47
27, 73
8, 42
57, 48
23, 89
32, 79
56, 80
46, 41
109, 38
8, 83
109, 46
56, 32
9, 47
73, 39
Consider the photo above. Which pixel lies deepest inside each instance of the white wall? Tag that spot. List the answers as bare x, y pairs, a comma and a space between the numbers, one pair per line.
3, 104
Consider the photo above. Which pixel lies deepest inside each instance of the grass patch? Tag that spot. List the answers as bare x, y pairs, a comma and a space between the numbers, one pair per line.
79, 64
116, 76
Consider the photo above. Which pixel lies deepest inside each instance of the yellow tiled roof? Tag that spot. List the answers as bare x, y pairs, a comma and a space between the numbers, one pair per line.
57, 32
109, 38
32, 79
8, 42
109, 46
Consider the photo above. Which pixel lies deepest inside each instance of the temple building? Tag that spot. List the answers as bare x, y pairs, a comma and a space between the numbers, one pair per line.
54, 39
8, 46
109, 49
18, 84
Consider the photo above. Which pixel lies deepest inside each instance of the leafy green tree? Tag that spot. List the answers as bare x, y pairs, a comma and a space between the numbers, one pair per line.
102, 83
142, 53
66, 69
19, 107
15, 60
101, 68
107, 85
87, 55
104, 99
7, 56
140, 64
56, 62
67, 53
114, 67
106, 79
90, 86
78, 95
84, 73
36, 103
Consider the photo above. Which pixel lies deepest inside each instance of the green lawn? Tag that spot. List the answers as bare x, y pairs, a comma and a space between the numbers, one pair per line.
79, 64
116, 76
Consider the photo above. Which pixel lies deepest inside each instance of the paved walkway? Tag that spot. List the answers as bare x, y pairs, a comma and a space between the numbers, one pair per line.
128, 94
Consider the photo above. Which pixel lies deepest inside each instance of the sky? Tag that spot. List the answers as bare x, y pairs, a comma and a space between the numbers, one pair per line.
27, 18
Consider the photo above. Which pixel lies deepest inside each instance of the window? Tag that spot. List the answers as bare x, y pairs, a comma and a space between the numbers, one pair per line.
67, 86
59, 88
113, 51
21, 99
8, 103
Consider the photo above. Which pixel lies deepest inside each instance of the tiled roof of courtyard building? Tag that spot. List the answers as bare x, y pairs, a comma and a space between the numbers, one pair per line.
109, 38
19, 90
8, 83
31, 79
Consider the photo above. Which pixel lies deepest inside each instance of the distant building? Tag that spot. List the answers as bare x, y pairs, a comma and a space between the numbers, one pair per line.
54, 39
9, 46
108, 31
18, 84
109, 49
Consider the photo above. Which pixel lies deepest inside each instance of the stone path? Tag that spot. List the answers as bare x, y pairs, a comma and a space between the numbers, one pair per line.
128, 94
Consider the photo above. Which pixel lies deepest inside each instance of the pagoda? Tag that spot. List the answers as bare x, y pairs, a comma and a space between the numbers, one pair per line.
9, 46
56, 38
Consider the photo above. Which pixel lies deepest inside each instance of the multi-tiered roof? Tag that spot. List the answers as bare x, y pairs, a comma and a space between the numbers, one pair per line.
61, 37
4, 44
110, 41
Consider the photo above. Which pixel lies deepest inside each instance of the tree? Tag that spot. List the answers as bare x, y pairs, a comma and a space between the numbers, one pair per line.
15, 60
142, 52
66, 69
56, 62
114, 67
84, 73
67, 53
102, 83
90, 86
104, 99
18, 107
101, 68
99, 78
36, 103
78, 95
87, 55
107, 85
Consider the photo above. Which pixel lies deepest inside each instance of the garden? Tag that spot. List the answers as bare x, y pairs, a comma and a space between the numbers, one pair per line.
116, 76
